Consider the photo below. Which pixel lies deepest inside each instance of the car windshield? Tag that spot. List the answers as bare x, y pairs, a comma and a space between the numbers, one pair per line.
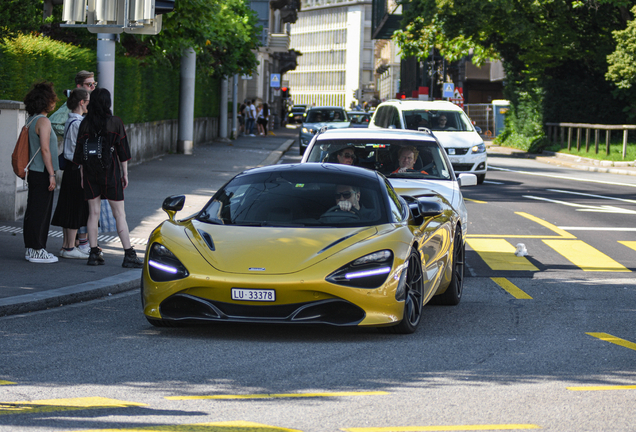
437, 120
293, 199
324, 115
405, 158
359, 118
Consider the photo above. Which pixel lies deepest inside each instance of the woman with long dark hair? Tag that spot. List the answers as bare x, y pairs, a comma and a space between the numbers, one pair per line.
39, 102
110, 181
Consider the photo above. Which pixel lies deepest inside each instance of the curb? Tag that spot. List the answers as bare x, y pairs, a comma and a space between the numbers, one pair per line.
122, 282
126, 281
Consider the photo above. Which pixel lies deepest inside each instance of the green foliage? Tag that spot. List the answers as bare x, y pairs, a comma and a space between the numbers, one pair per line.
223, 34
26, 59
20, 16
143, 92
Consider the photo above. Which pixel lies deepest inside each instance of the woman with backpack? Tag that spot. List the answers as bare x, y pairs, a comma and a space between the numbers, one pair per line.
39, 102
103, 152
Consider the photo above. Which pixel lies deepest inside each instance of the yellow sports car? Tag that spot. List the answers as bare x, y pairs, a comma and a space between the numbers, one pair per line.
304, 243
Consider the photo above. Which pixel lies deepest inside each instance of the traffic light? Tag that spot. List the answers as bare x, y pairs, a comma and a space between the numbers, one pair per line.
284, 91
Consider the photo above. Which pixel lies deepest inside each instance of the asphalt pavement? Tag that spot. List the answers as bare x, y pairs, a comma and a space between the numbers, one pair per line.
26, 287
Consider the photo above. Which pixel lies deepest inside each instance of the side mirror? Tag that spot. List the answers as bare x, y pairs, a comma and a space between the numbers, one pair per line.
478, 129
467, 179
173, 204
423, 208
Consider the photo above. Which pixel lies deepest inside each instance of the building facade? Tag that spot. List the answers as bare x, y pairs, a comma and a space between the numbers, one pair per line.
335, 66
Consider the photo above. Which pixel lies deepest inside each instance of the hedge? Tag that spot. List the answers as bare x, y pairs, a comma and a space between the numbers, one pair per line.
143, 92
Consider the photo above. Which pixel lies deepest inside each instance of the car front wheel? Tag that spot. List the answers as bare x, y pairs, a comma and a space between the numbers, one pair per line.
413, 302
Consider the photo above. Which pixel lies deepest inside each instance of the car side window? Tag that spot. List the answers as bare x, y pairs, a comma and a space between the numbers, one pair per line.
380, 117
395, 118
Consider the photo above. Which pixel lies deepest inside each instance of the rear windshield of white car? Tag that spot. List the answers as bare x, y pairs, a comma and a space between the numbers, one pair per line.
297, 200
384, 156
437, 120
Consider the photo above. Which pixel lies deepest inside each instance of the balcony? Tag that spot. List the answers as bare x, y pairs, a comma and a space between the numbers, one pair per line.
387, 15
278, 42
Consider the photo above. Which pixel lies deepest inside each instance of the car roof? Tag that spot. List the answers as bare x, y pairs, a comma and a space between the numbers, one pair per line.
355, 133
326, 107
420, 104
314, 168
358, 112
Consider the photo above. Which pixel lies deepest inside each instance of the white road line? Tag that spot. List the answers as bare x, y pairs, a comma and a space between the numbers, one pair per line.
58, 234
592, 195
561, 177
568, 228
584, 207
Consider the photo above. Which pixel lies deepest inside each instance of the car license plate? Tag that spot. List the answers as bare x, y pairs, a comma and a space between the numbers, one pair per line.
262, 295
455, 159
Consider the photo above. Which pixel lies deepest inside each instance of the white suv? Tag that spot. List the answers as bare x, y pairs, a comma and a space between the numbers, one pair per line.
448, 122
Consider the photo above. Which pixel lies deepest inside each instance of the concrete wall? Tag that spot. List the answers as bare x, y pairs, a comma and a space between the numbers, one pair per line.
147, 141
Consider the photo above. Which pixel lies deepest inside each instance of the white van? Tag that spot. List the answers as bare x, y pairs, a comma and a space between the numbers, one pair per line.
448, 122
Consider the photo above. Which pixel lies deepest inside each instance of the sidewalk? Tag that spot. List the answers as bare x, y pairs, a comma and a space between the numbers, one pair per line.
567, 160
28, 287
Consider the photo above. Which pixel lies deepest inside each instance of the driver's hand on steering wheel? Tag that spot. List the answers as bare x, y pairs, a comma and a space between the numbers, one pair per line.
344, 205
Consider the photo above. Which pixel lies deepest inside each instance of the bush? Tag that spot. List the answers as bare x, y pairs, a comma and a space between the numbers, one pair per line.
143, 92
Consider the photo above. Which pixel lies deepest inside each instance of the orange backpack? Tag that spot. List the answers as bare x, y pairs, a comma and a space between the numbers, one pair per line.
20, 157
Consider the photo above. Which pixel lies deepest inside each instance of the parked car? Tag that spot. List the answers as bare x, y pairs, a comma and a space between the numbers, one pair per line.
274, 245
296, 114
448, 122
359, 119
330, 117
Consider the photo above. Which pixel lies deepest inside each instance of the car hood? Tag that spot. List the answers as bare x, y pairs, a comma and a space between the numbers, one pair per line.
330, 125
457, 139
270, 250
416, 188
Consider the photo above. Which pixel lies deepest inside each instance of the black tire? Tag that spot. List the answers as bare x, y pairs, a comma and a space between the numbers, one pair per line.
414, 298
453, 294
481, 178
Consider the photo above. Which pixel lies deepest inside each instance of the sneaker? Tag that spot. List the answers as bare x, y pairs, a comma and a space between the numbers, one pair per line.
85, 248
40, 256
131, 260
252, 135
75, 253
27, 254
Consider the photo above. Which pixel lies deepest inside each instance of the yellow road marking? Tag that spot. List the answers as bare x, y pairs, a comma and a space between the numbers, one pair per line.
548, 225
629, 244
50, 405
585, 256
613, 339
6, 382
513, 236
499, 254
445, 428
475, 201
599, 388
514, 291
228, 426
278, 396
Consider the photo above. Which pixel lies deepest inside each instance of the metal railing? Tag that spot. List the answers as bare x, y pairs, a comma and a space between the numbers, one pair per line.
554, 128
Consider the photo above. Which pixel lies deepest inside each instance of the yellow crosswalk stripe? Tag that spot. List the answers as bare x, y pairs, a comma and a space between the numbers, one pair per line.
445, 428
73, 404
564, 234
629, 244
511, 288
279, 396
2, 382
499, 254
585, 256
227, 426
603, 388
613, 339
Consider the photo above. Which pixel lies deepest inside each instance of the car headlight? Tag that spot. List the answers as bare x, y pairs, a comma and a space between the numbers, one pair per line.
369, 271
479, 148
308, 131
163, 265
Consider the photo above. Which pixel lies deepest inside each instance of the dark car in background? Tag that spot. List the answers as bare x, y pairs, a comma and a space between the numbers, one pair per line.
359, 119
316, 118
296, 114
